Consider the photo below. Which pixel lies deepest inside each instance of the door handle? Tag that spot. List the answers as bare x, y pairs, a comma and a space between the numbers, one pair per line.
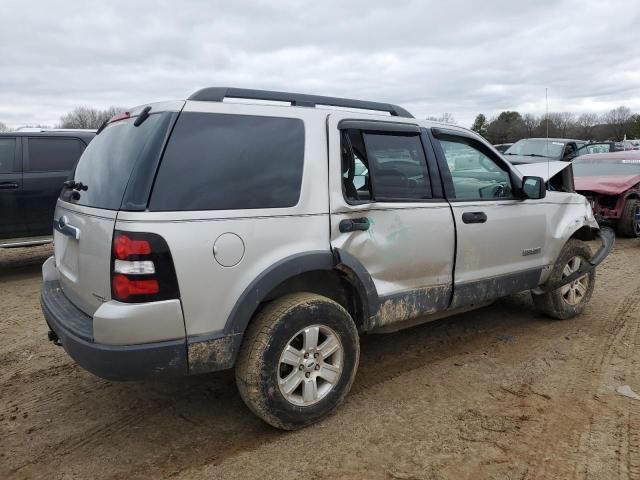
8, 185
353, 224
474, 217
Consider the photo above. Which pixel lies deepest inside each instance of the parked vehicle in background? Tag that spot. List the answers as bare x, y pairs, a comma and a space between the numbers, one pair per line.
202, 235
33, 168
611, 182
532, 150
502, 147
597, 147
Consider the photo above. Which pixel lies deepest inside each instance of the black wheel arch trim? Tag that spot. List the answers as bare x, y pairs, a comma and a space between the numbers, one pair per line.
291, 266
218, 350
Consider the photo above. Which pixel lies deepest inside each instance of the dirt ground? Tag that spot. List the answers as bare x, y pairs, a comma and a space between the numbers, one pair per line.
498, 393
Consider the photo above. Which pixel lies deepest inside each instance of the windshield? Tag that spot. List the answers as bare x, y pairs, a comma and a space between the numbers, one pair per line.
537, 147
606, 168
106, 165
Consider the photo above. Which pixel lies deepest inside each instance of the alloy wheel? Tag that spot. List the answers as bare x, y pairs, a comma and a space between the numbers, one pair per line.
574, 292
310, 365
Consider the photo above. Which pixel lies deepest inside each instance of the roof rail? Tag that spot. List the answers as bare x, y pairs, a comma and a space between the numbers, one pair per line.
218, 94
45, 129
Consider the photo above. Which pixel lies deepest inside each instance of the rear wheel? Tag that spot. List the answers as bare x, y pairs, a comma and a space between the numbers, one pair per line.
629, 223
298, 360
568, 300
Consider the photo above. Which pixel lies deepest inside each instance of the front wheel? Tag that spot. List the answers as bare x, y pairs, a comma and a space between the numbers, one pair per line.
568, 300
298, 360
629, 223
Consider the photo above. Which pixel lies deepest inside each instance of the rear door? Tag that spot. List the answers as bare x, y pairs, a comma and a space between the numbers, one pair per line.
499, 237
12, 223
48, 161
388, 212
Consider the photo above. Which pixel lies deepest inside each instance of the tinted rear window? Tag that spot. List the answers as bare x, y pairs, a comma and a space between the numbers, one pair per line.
53, 154
225, 162
107, 163
7, 155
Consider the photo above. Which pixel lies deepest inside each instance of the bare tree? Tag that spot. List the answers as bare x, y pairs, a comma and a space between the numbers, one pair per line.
563, 121
447, 117
619, 120
530, 122
86, 117
585, 124
4, 128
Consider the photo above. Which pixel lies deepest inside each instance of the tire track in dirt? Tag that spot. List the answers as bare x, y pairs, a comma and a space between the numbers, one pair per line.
601, 354
95, 435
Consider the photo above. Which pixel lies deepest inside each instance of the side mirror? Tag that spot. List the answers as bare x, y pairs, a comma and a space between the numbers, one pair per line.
533, 188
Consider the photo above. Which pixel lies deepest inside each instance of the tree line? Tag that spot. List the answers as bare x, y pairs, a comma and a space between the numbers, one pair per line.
511, 126
79, 117
507, 127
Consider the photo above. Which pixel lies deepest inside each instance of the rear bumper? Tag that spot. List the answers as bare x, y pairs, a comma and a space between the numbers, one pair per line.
77, 333
74, 330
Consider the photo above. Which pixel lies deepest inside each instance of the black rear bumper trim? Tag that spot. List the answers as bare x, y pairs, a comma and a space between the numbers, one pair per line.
113, 362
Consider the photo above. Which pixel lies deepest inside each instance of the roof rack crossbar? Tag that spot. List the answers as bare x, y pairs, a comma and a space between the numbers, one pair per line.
218, 94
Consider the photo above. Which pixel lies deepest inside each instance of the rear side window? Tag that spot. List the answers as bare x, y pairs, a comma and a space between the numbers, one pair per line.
227, 162
7, 155
53, 154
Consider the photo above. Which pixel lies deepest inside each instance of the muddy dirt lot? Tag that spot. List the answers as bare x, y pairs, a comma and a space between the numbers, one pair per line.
499, 393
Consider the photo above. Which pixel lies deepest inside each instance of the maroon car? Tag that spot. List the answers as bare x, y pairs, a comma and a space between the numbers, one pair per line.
611, 182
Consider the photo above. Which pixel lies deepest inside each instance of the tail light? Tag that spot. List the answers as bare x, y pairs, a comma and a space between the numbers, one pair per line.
142, 269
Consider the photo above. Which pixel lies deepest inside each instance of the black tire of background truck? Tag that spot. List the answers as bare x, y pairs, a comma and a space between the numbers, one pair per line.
265, 339
552, 303
628, 225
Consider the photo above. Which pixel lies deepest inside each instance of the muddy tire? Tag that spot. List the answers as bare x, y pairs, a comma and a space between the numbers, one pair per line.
298, 360
569, 300
629, 223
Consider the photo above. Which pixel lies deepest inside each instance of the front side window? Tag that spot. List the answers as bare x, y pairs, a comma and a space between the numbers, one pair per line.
7, 155
594, 148
475, 175
228, 162
384, 167
53, 154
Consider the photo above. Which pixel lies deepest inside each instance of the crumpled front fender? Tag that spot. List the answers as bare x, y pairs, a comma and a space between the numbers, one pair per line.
607, 238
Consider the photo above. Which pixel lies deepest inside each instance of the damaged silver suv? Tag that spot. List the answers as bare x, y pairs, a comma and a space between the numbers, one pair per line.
205, 234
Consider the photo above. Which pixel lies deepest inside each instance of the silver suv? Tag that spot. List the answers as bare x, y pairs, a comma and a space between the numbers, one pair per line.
205, 234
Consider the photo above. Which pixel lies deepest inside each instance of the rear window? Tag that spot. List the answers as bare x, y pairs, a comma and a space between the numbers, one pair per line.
107, 163
53, 154
226, 162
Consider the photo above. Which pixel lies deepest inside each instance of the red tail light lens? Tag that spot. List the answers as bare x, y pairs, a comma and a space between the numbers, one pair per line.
125, 247
124, 287
142, 268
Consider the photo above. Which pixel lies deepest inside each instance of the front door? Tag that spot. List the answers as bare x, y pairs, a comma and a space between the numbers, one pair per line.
388, 214
48, 163
500, 238
12, 223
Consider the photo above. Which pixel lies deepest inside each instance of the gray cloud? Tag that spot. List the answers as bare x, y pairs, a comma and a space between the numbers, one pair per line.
463, 57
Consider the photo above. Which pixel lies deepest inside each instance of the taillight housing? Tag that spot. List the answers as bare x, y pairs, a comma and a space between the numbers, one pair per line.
142, 268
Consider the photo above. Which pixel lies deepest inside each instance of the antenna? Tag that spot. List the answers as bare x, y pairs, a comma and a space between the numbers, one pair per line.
546, 101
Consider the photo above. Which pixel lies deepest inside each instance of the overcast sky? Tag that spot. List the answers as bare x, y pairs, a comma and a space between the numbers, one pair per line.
463, 57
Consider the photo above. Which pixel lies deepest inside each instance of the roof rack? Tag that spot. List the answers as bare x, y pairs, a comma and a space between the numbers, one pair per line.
218, 94
44, 129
